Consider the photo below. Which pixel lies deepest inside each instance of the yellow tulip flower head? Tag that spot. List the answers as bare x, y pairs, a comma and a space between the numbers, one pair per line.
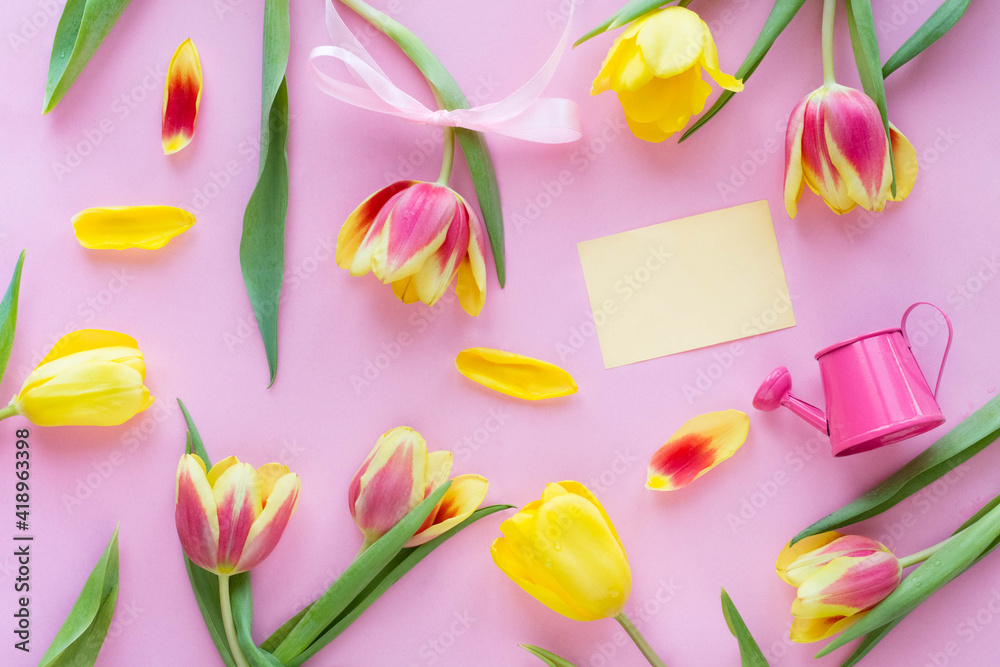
564, 551
655, 67
90, 378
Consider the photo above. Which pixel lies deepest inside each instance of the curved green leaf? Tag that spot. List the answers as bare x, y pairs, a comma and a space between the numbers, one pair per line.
82, 27
548, 657
781, 15
81, 636
750, 653
937, 24
8, 315
262, 247
956, 447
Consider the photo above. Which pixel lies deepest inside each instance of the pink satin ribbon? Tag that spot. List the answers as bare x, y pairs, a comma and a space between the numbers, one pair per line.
524, 114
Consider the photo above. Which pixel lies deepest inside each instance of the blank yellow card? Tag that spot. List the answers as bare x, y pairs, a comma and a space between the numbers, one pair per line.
686, 284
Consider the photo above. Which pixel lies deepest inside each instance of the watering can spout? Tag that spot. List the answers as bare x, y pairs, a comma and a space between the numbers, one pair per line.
776, 391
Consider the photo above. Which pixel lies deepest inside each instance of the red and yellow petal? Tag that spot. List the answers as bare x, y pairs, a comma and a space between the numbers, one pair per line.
440, 268
356, 227
238, 500
195, 513
470, 284
416, 226
847, 585
794, 178
857, 145
390, 484
904, 160
181, 98
791, 552
462, 498
267, 529
811, 562
698, 446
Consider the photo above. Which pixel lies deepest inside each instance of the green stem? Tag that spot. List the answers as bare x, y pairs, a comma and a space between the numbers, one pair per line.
921, 556
9, 411
829, 10
227, 621
640, 641
448, 159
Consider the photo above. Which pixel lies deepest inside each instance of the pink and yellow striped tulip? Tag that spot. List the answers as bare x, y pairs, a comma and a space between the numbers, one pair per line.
838, 581
397, 475
836, 144
418, 237
231, 517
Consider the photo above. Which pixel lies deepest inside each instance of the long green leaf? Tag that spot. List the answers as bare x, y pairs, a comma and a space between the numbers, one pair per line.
83, 26
8, 315
354, 579
861, 23
204, 584
548, 657
750, 653
951, 560
262, 247
241, 597
404, 561
631, 11
781, 15
447, 90
279, 635
941, 21
81, 636
955, 448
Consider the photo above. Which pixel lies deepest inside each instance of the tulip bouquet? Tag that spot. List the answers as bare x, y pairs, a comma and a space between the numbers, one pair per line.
230, 517
839, 140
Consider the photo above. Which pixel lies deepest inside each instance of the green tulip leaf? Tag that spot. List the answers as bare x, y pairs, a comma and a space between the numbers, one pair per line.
750, 653
631, 11
952, 559
262, 247
781, 15
941, 21
404, 561
861, 24
548, 657
205, 584
81, 636
82, 27
355, 578
8, 315
956, 447
449, 94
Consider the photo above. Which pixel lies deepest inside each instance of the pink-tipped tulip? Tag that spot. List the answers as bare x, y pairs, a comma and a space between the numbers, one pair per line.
397, 475
418, 237
838, 581
231, 517
836, 145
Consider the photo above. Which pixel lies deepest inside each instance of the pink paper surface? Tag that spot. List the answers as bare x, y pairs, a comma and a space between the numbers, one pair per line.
354, 362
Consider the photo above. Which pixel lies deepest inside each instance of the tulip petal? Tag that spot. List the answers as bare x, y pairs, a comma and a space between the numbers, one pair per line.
123, 227
672, 41
438, 469
820, 173
847, 585
101, 393
507, 557
470, 285
463, 497
807, 630
698, 446
621, 52
87, 339
238, 500
181, 98
514, 374
391, 483
405, 290
267, 476
904, 160
220, 467
195, 513
126, 356
710, 61
354, 229
811, 562
633, 73
270, 524
576, 488
440, 268
793, 157
791, 552
858, 148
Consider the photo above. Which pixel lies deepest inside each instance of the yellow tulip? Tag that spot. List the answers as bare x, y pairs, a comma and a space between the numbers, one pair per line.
655, 67
90, 378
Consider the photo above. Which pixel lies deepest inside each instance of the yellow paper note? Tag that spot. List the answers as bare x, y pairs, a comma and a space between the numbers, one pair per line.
686, 284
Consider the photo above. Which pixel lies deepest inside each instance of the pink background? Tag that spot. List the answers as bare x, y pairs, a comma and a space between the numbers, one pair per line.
187, 307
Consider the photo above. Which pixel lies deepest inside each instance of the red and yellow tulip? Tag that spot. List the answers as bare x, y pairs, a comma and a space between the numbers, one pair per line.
839, 577
418, 237
836, 144
181, 98
231, 517
397, 475
698, 446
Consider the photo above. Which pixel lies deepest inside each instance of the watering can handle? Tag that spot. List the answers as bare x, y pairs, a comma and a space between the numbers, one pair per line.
946, 347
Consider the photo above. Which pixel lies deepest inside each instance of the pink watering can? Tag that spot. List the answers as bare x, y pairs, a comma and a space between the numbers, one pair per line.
875, 392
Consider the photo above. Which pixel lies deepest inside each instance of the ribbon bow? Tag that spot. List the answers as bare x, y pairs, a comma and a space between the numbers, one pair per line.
524, 114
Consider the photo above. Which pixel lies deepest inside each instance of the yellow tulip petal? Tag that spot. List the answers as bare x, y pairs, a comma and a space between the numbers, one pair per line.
121, 227
671, 40
668, 101
101, 393
650, 132
181, 98
514, 375
405, 290
807, 630
220, 467
507, 557
791, 552
438, 469
697, 447
463, 497
710, 61
127, 356
619, 54
267, 476
87, 339
904, 160
632, 75
576, 488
